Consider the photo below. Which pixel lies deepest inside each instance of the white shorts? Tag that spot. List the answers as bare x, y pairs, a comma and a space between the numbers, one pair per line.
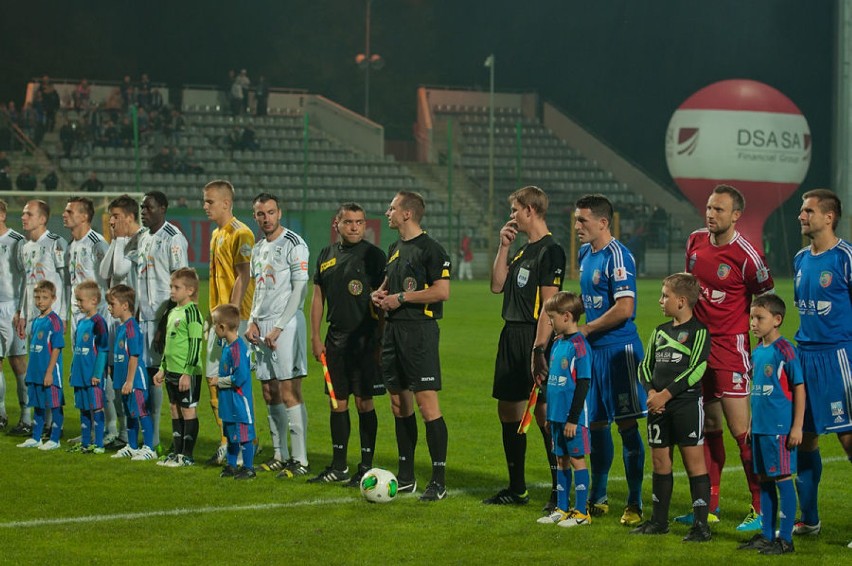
214, 350
290, 357
149, 329
10, 343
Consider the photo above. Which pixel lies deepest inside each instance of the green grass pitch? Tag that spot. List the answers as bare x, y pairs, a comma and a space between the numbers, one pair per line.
70, 508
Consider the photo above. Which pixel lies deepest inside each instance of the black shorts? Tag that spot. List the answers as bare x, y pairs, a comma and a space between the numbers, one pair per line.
354, 366
410, 357
513, 379
682, 424
186, 399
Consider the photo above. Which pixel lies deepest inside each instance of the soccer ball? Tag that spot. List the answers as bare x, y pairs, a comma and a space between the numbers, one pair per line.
379, 486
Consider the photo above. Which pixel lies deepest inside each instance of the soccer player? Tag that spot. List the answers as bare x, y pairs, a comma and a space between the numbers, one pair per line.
417, 282
180, 366
44, 367
347, 272
777, 415
85, 253
230, 280
608, 284
162, 250
129, 374
567, 387
527, 280
12, 346
731, 272
822, 290
88, 366
674, 363
236, 404
278, 332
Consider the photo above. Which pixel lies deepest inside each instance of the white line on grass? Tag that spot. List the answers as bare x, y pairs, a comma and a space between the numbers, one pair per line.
259, 506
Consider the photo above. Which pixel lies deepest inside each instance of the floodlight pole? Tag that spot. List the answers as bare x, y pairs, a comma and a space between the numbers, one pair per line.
490, 64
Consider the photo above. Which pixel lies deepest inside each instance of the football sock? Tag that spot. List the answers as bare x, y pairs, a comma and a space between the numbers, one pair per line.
298, 433
807, 484
38, 425
85, 428
563, 486
248, 454
600, 459
548, 449
155, 404
515, 449
280, 423
121, 417
406, 442
699, 489
99, 429
58, 420
273, 430
2, 391
662, 485
23, 399
368, 427
48, 419
768, 509
748, 466
133, 432
788, 509
231, 454
633, 452
581, 490
340, 428
147, 431
436, 440
177, 436
714, 457
190, 435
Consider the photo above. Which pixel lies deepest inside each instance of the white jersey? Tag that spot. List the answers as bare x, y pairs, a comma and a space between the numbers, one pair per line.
119, 263
159, 255
10, 266
274, 266
84, 260
44, 259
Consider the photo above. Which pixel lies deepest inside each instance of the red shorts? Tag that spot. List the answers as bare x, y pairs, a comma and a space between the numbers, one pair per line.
728, 368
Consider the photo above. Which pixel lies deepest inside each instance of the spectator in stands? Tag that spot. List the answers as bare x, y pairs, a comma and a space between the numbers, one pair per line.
188, 163
163, 162
51, 180
261, 96
237, 102
466, 257
115, 100
173, 126
26, 181
248, 139
51, 102
109, 135
235, 138
181, 203
67, 137
128, 93
226, 90
37, 118
245, 84
126, 132
92, 184
659, 227
12, 113
6, 178
82, 95
143, 92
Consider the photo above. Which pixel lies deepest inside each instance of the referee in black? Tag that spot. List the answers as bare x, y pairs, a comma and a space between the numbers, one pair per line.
346, 273
417, 282
527, 279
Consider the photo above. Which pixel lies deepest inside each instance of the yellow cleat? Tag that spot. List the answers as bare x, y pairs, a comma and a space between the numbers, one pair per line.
632, 516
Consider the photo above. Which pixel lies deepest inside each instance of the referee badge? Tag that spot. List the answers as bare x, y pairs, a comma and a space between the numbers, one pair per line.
355, 287
409, 284
523, 276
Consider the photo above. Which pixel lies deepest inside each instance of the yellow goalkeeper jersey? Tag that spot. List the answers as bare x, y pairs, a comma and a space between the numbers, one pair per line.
230, 246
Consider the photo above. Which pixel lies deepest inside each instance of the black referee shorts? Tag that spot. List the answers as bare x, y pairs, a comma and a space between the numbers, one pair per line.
353, 365
410, 356
513, 379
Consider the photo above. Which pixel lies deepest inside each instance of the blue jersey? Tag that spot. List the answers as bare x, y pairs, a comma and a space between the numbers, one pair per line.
128, 342
607, 275
776, 372
570, 360
235, 402
91, 339
823, 295
46, 334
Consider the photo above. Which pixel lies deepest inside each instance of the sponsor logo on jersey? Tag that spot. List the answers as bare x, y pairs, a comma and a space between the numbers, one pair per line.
825, 279
523, 276
597, 302
596, 276
676, 357
717, 296
823, 307
723, 271
765, 390
409, 284
355, 287
562, 380
620, 273
326, 264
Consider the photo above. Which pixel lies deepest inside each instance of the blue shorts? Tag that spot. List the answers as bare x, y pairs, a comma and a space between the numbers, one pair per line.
41, 397
136, 404
771, 456
238, 433
615, 393
576, 447
828, 383
89, 398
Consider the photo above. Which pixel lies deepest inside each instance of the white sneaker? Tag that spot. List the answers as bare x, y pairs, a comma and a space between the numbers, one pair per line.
173, 462
554, 518
126, 452
575, 519
143, 454
221, 454
49, 445
801, 528
29, 443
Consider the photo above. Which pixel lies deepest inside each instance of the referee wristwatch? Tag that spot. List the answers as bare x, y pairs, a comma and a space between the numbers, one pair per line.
401, 298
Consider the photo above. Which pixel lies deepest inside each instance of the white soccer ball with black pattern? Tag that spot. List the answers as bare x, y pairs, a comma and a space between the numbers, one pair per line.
379, 486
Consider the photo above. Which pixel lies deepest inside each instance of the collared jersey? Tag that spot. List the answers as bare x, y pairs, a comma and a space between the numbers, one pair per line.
347, 274
414, 265
184, 332
10, 267
275, 266
159, 255
236, 402
777, 371
47, 334
675, 358
535, 265
44, 259
822, 289
128, 342
730, 275
230, 245
607, 275
570, 360
92, 338
84, 261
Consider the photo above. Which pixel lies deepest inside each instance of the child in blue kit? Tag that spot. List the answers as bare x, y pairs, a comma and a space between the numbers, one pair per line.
777, 416
236, 408
91, 344
130, 375
44, 368
567, 385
